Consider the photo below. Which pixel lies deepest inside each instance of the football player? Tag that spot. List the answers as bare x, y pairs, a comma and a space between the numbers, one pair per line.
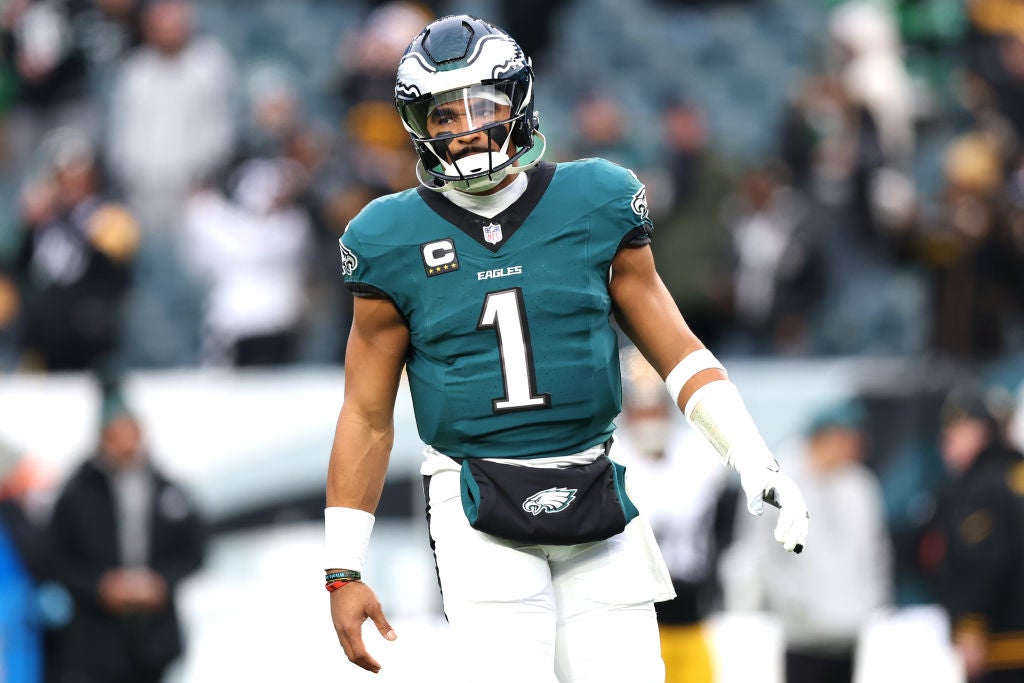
492, 285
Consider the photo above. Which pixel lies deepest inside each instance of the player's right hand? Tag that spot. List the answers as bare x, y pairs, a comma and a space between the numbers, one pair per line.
791, 529
351, 605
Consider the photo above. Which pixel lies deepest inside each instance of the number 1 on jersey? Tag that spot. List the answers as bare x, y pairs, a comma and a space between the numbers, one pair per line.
504, 311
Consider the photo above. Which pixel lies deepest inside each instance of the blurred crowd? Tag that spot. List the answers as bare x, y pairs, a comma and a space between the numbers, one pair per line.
174, 207
174, 176
962, 547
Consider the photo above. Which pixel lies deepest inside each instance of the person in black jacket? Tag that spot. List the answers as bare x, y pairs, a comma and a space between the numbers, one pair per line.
124, 536
74, 263
979, 527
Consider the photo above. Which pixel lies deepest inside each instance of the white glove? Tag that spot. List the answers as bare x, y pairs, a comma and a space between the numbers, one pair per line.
767, 485
717, 411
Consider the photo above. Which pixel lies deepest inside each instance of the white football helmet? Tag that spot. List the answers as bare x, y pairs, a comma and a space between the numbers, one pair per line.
462, 78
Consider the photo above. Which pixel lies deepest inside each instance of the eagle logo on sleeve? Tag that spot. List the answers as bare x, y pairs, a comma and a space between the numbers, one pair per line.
554, 499
349, 262
639, 204
639, 201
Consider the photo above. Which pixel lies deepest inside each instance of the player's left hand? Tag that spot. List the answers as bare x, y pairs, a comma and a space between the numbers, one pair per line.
351, 605
791, 529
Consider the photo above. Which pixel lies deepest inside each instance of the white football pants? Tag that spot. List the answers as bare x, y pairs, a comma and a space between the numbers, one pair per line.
547, 614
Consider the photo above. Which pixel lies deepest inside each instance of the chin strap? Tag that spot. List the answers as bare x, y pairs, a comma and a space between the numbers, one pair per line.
530, 159
484, 182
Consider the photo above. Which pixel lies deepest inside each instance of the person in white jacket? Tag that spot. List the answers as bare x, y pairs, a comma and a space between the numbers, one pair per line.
824, 600
172, 114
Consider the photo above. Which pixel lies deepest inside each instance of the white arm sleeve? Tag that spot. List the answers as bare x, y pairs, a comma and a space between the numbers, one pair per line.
718, 413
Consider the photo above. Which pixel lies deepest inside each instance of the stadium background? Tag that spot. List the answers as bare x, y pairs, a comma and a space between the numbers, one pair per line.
716, 105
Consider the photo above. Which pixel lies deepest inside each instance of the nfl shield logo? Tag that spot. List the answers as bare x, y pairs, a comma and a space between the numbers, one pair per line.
492, 233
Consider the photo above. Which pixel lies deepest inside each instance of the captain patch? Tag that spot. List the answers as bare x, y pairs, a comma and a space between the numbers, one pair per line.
439, 257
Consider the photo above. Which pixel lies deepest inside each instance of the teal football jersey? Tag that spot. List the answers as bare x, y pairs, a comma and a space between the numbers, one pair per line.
512, 352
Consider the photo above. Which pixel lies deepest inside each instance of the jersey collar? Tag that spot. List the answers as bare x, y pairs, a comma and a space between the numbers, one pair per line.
510, 219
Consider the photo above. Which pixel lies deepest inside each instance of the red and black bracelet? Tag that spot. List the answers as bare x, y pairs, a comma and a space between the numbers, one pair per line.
335, 585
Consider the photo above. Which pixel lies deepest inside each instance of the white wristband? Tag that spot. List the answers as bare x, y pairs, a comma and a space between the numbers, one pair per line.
689, 366
347, 535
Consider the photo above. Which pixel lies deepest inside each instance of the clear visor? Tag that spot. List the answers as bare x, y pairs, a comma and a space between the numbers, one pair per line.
461, 111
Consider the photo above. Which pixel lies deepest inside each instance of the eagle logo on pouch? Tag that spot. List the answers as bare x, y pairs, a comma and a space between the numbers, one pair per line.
554, 499
492, 233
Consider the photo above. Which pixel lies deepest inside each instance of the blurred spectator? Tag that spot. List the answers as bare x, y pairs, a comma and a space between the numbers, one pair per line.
825, 596
816, 141
995, 54
21, 647
251, 238
375, 157
685, 142
276, 124
600, 129
252, 245
371, 52
687, 188
873, 74
777, 268
124, 537
975, 545
280, 128
75, 259
977, 262
878, 90
106, 30
849, 133
679, 484
50, 75
171, 114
